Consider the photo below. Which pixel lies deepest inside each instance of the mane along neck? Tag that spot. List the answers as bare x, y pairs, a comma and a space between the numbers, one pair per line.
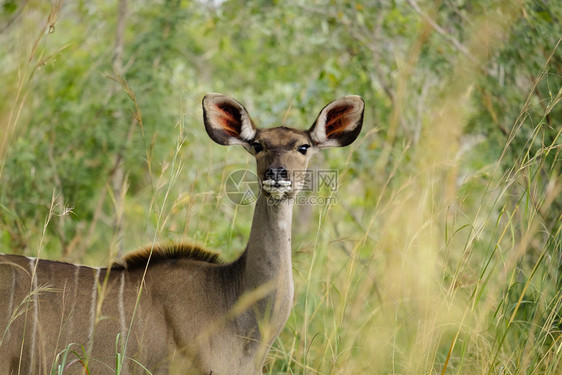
162, 253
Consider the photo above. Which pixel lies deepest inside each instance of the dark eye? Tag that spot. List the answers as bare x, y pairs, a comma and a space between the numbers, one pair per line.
302, 149
257, 147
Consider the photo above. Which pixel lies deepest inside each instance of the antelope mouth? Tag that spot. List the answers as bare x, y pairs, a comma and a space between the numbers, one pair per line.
277, 189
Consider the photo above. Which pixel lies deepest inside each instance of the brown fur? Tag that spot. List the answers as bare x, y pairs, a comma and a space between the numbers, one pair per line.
163, 253
189, 311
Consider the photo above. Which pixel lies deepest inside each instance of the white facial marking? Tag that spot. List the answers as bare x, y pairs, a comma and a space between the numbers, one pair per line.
277, 189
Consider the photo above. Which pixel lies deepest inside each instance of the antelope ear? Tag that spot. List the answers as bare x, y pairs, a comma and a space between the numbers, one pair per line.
339, 123
227, 122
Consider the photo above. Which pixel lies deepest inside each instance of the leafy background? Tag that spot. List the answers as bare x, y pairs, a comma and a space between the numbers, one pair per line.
443, 252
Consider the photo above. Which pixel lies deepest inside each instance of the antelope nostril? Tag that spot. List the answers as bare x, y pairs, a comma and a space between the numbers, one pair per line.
276, 174
269, 174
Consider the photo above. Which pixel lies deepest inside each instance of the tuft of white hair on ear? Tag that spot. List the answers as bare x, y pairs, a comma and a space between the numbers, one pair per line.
248, 132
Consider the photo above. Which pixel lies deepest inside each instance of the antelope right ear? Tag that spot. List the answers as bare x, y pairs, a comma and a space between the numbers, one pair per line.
227, 122
339, 123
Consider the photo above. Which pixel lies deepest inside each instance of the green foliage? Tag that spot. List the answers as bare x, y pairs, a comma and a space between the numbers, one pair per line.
443, 252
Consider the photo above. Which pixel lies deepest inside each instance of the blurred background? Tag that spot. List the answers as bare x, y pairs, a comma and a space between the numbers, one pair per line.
441, 252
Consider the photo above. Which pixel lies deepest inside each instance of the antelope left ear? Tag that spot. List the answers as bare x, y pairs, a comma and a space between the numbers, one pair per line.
339, 123
227, 122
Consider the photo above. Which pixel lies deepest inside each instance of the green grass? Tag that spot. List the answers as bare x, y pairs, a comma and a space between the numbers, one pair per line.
441, 256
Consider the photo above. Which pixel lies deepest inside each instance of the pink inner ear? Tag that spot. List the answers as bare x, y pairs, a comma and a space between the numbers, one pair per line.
338, 120
229, 119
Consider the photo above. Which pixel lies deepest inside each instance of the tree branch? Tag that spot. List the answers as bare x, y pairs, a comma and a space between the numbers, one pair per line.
439, 30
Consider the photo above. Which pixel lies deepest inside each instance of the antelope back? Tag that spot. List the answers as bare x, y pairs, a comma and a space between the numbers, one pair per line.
55, 313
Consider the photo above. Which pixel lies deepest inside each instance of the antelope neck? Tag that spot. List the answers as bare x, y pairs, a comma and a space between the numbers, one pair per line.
268, 254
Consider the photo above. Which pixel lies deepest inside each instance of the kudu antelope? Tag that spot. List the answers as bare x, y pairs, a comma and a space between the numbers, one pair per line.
204, 315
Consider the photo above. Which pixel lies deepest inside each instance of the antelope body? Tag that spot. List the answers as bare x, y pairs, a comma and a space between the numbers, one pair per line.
194, 314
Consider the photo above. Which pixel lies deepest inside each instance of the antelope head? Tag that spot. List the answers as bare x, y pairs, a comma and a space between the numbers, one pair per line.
282, 153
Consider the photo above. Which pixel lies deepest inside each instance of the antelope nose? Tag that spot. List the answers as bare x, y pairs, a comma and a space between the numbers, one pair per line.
276, 174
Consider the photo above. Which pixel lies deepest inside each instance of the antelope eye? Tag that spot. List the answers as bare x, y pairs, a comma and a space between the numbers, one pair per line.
257, 147
302, 149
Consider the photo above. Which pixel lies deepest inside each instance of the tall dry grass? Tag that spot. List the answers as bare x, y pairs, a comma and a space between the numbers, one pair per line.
423, 267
